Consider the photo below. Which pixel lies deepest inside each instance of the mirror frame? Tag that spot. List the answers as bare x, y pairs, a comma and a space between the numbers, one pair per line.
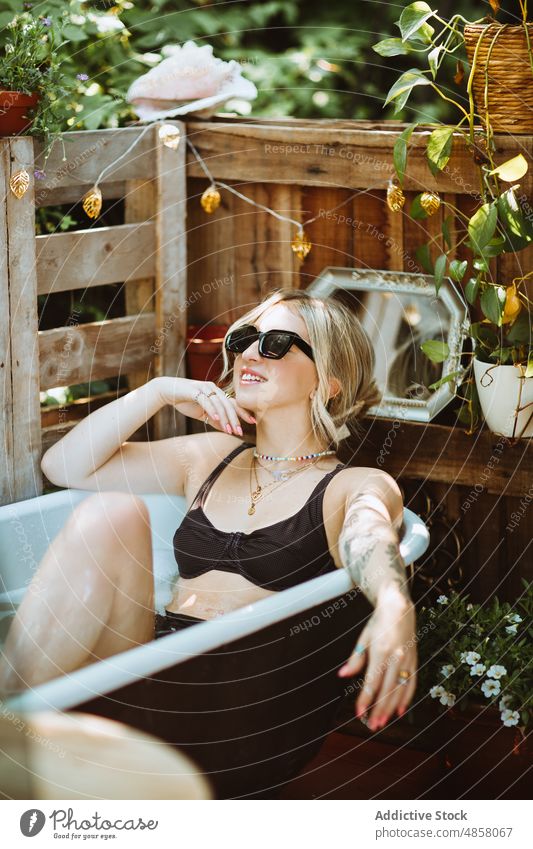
403, 282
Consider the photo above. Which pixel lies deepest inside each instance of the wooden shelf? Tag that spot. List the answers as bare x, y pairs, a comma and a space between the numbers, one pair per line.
444, 453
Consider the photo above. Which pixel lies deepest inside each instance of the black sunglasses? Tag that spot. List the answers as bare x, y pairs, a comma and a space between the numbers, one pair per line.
273, 344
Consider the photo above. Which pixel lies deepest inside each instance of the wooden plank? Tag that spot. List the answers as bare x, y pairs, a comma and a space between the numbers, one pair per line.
139, 205
212, 285
331, 234
74, 193
86, 258
6, 399
329, 154
88, 152
439, 453
171, 275
263, 258
84, 352
23, 323
379, 235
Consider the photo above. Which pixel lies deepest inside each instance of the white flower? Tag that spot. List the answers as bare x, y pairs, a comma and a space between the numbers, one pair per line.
514, 617
442, 599
106, 23
478, 669
437, 691
447, 699
511, 629
469, 606
490, 688
504, 702
510, 717
496, 672
447, 670
470, 657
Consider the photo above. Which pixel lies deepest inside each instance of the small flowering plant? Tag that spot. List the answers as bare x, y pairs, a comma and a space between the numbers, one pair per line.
29, 64
479, 653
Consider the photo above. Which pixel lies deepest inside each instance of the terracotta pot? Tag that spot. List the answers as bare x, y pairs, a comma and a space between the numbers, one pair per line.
204, 351
14, 111
506, 399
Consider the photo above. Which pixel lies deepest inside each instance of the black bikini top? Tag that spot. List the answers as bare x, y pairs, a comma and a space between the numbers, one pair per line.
276, 557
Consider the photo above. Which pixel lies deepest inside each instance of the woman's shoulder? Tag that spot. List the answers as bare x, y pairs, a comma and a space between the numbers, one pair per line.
352, 481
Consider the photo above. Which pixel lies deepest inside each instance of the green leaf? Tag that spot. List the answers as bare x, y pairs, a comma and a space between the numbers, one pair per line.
440, 268
413, 22
435, 350
403, 87
446, 230
521, 332
449, 377
529, 369
481, 264
472, 289
417, 212
495, 247
458, 269
433, 59
439, 148
392, 47
501, 354
400, 152
73, 33
492, 303
517, 226
423, 256
482, 225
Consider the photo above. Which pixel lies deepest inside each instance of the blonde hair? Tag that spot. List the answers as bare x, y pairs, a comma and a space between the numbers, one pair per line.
341, 349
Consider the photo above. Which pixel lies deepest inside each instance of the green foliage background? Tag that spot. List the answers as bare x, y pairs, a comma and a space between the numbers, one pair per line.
308, 58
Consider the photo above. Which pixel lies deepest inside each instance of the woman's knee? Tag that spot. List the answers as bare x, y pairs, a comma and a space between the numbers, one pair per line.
120, 512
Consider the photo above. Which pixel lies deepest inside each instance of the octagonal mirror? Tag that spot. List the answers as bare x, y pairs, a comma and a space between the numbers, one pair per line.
400, 311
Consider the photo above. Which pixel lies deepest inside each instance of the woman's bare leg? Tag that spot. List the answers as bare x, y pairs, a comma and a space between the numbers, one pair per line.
91, 597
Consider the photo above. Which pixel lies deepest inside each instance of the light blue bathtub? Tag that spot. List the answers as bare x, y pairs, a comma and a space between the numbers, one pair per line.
255, 659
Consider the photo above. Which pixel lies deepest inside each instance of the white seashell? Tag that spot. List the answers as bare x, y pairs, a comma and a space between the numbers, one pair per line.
189, 80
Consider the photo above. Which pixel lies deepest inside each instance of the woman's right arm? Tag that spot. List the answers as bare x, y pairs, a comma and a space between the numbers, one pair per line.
95, 454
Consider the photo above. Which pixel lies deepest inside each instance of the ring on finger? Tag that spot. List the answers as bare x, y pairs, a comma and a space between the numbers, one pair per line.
403, 677
210, 393
359, 649
368, 689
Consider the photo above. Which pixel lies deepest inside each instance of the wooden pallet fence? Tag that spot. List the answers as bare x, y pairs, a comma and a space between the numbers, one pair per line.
147, 253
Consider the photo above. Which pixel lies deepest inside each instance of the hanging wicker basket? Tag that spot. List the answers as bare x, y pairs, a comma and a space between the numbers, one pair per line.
503, 77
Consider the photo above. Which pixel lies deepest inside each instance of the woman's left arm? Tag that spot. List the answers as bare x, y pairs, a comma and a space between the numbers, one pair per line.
369, 550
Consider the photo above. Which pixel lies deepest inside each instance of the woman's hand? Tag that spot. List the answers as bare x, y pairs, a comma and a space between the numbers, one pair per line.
386, 645
198, 398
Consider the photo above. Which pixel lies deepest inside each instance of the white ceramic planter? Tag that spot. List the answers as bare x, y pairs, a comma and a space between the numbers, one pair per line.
506, 399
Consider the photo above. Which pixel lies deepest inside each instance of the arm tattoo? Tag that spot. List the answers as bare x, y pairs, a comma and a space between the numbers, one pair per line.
366, 550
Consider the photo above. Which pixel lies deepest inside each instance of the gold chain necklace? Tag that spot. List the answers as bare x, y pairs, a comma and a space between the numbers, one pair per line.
258, 492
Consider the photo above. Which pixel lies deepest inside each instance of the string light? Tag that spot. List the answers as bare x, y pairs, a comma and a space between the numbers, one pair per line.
301, 244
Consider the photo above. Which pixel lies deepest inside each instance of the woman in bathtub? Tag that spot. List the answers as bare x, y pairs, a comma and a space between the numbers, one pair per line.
262, 517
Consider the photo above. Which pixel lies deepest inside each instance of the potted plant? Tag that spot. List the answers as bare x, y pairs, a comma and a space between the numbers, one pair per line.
501, 371
32, 85
475, 663
204, 351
